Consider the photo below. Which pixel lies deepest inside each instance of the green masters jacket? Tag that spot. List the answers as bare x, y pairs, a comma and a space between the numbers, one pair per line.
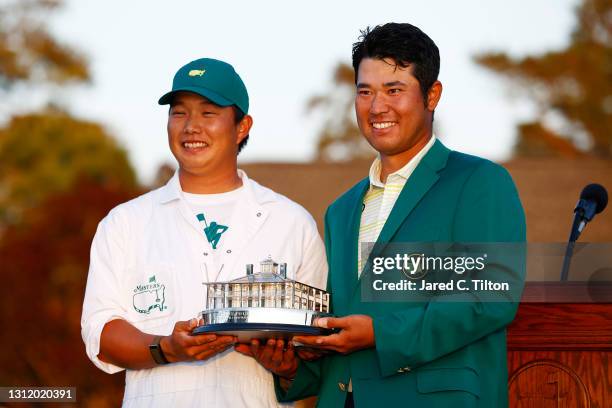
433, 353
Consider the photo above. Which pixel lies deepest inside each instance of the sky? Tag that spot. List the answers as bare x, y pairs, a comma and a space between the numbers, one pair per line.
285, 52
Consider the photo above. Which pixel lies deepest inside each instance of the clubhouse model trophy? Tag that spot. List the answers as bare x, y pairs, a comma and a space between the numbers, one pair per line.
263, 305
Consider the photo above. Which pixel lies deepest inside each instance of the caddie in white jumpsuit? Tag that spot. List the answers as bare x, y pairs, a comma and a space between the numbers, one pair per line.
151, 256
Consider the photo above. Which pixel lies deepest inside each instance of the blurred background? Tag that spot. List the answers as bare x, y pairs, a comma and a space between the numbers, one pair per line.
527, 84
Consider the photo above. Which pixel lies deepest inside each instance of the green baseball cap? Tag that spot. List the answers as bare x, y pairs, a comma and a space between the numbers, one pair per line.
215, 80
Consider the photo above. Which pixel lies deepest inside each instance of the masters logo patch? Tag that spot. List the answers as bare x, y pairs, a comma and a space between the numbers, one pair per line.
150, 296
196, 72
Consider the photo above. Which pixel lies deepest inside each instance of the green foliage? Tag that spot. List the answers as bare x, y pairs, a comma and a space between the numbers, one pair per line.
28, 53
44, 153
575, 83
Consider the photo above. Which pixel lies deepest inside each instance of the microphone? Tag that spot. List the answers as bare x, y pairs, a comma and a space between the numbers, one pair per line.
593, 200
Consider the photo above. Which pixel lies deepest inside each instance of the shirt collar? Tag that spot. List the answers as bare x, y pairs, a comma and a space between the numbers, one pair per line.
405, 171
173, 191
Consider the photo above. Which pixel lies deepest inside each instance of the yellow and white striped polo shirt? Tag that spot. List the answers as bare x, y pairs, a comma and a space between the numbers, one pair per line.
380, 199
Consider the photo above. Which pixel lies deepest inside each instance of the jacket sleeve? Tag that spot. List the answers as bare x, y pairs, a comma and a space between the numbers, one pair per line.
489, 210
306, 383
102, 301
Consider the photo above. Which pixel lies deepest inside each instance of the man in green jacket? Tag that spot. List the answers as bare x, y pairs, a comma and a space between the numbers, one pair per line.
431, 353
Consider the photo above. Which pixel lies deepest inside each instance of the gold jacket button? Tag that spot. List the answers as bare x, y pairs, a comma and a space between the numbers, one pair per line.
342, 386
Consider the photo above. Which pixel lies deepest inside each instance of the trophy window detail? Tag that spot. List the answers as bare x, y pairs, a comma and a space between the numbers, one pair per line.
268, 288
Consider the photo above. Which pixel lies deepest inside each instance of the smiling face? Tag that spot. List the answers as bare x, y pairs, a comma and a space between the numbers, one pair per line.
390, 110
204, 137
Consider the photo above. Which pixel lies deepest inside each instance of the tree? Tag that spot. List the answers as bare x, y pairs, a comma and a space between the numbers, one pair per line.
46, 152
573, 87
28, 53
164, 173
340, 139
59, 176
44, 270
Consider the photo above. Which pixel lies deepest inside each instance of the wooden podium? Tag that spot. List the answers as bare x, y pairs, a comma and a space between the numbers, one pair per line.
560, 346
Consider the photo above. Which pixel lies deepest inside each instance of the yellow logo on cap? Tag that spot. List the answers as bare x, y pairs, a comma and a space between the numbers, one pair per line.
197, 72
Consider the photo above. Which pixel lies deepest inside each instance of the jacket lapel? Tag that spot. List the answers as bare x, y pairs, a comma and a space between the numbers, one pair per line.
419, 183
353, 223
422, 179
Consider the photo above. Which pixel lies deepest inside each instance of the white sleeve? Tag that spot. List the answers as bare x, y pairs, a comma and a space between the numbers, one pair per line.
313, 268
103, 301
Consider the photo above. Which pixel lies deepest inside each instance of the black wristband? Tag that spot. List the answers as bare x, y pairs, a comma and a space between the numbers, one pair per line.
156, 351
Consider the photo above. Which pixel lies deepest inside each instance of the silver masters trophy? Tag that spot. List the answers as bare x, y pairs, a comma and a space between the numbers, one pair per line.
263, 305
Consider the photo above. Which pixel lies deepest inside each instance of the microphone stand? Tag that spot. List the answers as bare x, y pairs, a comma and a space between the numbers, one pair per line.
569, 250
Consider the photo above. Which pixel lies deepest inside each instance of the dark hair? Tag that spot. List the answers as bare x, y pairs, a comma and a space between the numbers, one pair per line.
406, 45
238, 116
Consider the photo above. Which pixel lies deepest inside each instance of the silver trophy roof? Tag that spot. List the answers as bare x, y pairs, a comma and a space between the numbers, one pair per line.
261, 278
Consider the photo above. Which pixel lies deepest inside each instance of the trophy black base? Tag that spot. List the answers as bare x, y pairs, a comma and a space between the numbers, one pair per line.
245, 332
